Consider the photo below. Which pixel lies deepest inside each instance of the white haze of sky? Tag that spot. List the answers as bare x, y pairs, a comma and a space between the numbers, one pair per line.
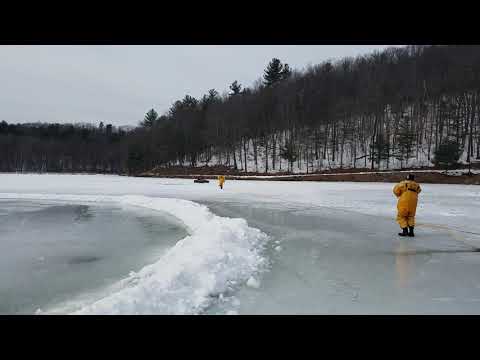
118, 84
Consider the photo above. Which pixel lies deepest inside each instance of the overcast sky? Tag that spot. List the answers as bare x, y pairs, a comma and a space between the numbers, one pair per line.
118, 84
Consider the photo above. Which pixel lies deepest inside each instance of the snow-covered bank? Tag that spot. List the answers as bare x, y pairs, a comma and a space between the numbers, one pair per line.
458, 172
219, 255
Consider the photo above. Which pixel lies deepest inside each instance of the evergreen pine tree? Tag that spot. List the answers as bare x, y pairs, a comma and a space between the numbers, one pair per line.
150, 118
236, 88
447, 154
405, 140
286, 72
273, 73
212, 95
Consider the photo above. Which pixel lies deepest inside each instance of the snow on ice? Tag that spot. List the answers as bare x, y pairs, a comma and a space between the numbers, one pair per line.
254, 283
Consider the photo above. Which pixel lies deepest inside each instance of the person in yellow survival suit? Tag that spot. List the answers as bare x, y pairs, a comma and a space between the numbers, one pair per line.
221, 181
407, 193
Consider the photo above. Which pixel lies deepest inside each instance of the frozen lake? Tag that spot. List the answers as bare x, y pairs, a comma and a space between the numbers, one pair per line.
51, 252
331, 249
340, 262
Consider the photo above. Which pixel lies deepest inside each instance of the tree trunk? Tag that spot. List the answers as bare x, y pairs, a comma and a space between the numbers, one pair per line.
266, 153
372, 143
245, 153
255, 154
240, 154
274, 150
234, 159
470, 137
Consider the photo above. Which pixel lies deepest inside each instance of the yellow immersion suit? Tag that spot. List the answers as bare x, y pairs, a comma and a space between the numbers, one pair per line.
407, 193
221, 181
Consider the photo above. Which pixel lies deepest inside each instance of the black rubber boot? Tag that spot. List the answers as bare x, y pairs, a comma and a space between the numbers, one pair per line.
404, 233
410, 231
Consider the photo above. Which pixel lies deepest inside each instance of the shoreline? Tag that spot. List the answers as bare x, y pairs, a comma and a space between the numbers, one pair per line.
422, 176
427, 176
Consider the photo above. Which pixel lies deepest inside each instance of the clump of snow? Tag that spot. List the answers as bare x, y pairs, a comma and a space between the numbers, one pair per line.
278, 248
254, 283
218, 253
232, 312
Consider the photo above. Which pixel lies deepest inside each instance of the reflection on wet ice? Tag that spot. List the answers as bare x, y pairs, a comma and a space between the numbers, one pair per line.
403, 263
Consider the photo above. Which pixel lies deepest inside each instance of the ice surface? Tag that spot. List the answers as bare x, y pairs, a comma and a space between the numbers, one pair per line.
60, 250
340, 252
342, 262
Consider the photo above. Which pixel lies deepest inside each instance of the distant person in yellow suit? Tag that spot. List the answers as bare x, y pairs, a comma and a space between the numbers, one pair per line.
221, 181
407, 193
